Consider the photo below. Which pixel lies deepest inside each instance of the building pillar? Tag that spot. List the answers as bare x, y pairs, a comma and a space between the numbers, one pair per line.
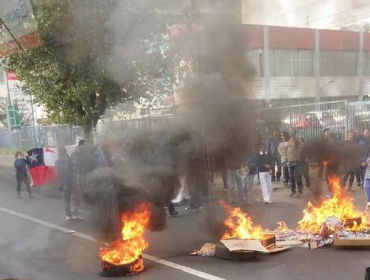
266, 63
360, 67
316, 66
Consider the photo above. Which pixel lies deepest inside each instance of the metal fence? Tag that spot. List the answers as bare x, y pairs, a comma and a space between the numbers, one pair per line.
305, 121
40, 136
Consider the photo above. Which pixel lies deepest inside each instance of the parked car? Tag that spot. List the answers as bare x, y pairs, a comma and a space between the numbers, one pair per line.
316, 119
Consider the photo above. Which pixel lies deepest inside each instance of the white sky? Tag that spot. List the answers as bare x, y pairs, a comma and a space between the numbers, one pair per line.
325, 14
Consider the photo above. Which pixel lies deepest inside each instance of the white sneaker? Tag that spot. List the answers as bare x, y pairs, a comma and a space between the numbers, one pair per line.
78, 218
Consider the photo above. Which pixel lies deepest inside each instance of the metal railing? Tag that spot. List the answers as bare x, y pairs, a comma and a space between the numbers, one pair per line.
307, 121
40, 136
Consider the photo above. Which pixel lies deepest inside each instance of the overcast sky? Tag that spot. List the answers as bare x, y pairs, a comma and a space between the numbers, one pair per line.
329, 14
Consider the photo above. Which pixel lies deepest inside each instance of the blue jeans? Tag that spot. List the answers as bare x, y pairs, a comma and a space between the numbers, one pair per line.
367, 189
232, 179
248, 185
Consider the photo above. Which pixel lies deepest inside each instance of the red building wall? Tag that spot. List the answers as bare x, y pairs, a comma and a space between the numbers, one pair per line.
304, 38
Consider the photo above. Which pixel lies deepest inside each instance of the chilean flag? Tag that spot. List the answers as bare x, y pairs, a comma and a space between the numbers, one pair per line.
41, 165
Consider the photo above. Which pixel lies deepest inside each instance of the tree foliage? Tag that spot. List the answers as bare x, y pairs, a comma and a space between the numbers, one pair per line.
95, 55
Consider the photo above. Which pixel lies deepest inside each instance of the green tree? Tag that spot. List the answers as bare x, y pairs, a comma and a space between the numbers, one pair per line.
95, 55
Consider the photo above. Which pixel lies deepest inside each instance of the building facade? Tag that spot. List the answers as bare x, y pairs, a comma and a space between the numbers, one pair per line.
297, 65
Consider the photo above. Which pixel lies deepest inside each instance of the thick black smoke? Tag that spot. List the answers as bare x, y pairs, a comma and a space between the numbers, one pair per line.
212, 129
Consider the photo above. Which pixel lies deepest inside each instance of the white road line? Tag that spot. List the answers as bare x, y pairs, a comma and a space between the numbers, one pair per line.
185, 269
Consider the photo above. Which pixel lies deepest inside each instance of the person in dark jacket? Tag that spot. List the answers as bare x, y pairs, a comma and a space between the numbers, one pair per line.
305, 165
81, 163
21, 174
265, 171
252, 170
351, 156
333, 153
272, 149
364, 144
65, 171
324, 136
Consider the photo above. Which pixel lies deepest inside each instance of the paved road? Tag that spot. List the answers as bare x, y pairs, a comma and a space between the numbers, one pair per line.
34, 244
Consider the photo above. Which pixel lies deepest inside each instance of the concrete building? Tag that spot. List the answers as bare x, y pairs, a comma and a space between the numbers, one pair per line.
308, 65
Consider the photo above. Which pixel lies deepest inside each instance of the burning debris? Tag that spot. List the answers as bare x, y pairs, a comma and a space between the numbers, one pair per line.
123, 256
240, 226
335, 220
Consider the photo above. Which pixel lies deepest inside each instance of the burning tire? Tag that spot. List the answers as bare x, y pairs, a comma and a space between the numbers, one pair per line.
112, 270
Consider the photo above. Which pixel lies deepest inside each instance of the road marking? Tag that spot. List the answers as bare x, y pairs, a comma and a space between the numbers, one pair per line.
185, 269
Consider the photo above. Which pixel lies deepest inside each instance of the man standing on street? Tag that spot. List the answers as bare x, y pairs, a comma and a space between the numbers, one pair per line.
81, 166
364, 144
272, 149
264, 171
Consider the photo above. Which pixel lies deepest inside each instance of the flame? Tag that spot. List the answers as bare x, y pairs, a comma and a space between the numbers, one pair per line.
340, 206
239, 225
325, 163
129, 249
282, 227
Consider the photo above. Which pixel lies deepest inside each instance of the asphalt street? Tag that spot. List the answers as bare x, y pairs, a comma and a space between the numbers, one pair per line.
35, 243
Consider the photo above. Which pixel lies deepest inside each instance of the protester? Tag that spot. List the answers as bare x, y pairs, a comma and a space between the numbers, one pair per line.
366, 164
252, 170
81, 164
333, 152
325, 135
65, 171
294, 163
283, 150
364, 144
305, 165
272, 149
265, 172
351, 155
234, 177
21, 174
358, 167
196, 180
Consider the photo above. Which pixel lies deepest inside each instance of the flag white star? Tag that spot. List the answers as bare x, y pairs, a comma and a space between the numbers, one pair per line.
33, 157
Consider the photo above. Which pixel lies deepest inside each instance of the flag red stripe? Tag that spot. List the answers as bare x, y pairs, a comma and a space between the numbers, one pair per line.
43, 175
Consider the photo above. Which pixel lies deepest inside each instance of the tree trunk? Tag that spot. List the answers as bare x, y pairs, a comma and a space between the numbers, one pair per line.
88, 132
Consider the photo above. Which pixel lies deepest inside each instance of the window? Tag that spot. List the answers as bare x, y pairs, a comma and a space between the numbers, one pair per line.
291, 63
366, 63
338, 63
255, 58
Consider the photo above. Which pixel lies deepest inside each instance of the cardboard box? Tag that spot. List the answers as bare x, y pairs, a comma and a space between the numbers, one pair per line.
241, 245
351, 242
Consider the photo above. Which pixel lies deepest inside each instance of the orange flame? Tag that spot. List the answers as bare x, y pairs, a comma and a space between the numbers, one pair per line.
239, 225
325, 163
282, 227
339, 206
129, 249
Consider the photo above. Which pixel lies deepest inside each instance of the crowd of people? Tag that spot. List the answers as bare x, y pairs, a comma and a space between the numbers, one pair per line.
287, 157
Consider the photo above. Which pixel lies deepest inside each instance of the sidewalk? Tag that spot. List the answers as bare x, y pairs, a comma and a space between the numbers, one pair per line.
6, 161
